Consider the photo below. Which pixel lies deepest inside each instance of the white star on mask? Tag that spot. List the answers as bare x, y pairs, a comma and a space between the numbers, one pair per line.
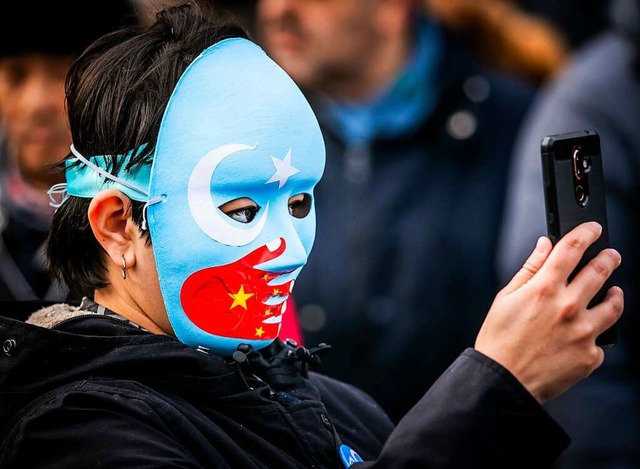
284, 170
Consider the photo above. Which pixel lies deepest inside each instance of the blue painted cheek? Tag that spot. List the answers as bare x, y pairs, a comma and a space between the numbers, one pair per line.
295, 254
298, 241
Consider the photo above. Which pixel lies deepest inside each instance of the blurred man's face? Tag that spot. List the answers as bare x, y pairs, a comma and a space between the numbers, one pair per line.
318, 42
32, 113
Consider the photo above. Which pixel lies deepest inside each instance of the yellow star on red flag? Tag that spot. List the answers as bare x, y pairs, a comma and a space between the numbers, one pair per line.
240, 298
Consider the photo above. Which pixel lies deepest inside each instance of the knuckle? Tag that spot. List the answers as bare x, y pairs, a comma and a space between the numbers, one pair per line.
591, 360
529, 267
617, 302
601, 267
585, 330
596, 357
569, 309
618, 305
576, 242
614, 311
545, 289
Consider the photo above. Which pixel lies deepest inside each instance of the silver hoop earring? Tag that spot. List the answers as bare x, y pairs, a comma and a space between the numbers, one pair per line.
124, 268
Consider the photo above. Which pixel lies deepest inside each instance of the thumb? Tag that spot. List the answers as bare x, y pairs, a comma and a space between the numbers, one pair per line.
531, 266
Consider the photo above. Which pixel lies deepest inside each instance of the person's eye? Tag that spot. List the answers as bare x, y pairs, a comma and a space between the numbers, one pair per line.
244, 215
300, 205
242, 210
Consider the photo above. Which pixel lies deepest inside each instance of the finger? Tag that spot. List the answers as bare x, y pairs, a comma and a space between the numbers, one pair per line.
606, 314
593, 276
569, 250
531, 265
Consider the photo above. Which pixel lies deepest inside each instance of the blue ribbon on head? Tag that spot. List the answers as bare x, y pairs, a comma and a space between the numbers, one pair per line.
88, 179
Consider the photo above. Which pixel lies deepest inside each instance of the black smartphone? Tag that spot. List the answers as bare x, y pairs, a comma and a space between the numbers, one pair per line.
574, 193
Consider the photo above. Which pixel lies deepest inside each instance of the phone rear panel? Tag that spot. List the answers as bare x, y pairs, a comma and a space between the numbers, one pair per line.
571, 200
564, 212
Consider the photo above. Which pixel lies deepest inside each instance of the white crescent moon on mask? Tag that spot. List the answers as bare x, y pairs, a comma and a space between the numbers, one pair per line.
206, 214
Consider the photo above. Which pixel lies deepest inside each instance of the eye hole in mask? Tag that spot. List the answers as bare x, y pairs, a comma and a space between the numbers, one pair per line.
242, 210
300, 205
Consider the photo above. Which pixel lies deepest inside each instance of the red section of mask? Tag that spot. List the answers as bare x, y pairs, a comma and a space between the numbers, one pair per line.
229, 300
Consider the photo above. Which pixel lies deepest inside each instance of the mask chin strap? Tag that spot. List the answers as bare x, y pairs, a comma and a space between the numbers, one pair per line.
58, 192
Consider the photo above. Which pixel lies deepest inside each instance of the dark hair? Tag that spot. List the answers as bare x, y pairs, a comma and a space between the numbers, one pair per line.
117, 91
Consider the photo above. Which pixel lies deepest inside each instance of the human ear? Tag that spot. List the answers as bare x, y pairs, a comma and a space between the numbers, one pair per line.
109, 215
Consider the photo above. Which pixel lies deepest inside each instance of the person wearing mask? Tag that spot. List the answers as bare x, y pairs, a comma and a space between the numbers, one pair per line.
186, 216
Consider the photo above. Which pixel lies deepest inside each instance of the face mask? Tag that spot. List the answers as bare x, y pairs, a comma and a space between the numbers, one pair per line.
236, 127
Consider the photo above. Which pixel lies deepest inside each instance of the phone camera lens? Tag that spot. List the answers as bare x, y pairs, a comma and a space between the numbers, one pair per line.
581, 163
581, 195
586, 164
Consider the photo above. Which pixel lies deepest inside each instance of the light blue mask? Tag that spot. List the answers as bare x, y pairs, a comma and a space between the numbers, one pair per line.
236, 126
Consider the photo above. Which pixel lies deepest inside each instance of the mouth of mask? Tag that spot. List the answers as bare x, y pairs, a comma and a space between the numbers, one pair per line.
251, 301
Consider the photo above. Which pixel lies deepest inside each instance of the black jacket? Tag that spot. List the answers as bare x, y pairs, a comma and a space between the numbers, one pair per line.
96, 392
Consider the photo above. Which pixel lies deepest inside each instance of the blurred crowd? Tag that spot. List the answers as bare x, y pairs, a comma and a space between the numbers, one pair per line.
432, 113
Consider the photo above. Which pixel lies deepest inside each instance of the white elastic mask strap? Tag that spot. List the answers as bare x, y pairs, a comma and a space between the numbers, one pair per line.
106, 174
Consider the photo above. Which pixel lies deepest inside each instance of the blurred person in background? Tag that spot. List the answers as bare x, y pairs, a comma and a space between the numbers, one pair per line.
600, 90
506, 37
35, 55
418, 139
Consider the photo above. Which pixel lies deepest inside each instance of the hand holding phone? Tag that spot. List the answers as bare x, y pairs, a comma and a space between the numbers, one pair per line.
574, 193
